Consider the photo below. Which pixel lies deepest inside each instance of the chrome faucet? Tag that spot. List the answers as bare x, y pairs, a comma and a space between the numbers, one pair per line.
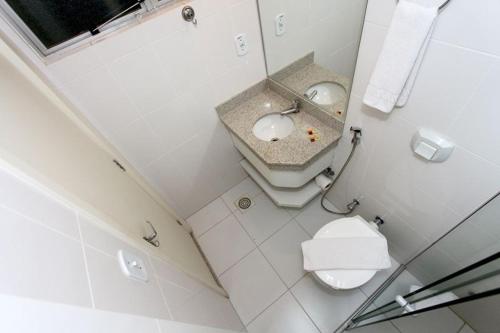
295, 108
311, 95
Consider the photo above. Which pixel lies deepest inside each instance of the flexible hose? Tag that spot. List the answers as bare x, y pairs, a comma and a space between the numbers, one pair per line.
350, 209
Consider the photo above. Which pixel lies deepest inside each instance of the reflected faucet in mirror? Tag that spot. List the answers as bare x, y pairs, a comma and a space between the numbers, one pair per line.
319, 51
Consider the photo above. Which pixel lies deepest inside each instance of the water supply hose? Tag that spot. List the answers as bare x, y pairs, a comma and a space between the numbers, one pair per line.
352, 205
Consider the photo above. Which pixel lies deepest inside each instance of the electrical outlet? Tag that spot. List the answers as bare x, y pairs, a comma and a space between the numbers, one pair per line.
132, 266
280, 24
241, 44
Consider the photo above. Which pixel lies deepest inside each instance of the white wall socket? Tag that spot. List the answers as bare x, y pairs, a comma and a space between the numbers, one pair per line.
132, 266
280, 24
241, 44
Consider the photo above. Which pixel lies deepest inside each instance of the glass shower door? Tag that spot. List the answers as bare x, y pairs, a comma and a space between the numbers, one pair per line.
455, 272
479, 280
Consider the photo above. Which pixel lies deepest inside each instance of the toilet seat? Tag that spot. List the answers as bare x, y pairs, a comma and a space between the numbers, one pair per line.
346, 227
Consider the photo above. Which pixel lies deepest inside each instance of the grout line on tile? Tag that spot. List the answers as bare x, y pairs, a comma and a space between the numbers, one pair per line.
158, 325
42, 224
274, 233
267, 307
85, 262
211, 227
302, 307
394, 325
236, 263
164, 299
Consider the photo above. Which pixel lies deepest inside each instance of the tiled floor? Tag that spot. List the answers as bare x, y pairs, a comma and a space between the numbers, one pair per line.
256, 254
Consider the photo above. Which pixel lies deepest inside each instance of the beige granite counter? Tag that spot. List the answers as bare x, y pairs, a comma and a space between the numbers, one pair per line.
296, 150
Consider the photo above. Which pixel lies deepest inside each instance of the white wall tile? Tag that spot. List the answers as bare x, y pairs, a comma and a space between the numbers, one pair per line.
141, 75
434, 104
75, 65
138, 143
371, 44
463, 182
28, 201
174, 295
102, 239
120, 44
209, 309
113, 291
40, 263
474, 127
168, 272
380, 11
187, 113
105, 104
27, 316
252, 285
182, 47
478, 32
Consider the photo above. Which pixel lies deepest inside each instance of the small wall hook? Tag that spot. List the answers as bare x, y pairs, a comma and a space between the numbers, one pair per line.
188, 15
152, 239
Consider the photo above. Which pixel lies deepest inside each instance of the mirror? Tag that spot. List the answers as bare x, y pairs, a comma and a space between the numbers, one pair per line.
311, 47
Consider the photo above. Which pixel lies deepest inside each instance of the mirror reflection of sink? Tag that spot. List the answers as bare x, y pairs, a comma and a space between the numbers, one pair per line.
273, 127
326, 93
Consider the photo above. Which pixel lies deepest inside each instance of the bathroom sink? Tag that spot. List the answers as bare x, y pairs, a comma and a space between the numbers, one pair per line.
327, 93
273, 127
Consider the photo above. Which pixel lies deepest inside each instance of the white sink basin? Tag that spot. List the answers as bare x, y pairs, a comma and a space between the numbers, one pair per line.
327, 93
273, 127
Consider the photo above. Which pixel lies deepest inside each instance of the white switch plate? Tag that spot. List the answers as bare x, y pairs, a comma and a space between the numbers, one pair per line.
241, 44
280, 24
132, 266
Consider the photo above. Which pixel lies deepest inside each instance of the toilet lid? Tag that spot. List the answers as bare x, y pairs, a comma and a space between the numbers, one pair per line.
346, 227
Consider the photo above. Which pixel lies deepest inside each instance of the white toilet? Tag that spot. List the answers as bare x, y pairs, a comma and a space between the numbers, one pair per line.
347, 227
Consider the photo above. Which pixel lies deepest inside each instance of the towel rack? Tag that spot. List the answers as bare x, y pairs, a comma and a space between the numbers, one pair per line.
443, 5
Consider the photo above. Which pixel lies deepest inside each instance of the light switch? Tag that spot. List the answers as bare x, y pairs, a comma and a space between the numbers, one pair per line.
241, 44
132, 266
280, 24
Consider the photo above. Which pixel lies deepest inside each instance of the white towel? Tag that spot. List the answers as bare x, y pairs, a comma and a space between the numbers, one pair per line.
399, 61
358, 253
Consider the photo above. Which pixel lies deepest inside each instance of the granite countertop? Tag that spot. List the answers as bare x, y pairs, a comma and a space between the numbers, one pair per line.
301, 79
296, 150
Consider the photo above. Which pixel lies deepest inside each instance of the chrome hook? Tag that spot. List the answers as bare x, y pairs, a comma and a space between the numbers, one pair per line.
152, 238
188, 15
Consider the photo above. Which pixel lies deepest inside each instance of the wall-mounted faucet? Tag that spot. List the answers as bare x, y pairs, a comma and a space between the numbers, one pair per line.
295, 108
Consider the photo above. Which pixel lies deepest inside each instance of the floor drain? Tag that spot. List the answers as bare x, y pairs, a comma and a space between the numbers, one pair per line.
244, 203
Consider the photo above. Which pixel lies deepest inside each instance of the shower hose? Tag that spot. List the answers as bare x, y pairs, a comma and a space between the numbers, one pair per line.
351, 206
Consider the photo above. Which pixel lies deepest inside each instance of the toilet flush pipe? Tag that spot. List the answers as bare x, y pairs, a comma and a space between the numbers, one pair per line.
352, 205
